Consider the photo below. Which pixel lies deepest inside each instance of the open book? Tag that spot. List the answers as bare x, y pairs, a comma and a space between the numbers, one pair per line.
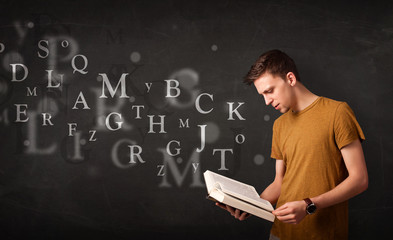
238, 195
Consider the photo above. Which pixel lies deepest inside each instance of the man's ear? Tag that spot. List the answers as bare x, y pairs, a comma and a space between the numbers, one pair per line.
291, 78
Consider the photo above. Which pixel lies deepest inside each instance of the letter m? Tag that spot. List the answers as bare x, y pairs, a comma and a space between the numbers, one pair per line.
172, 167
32, 92
106, 83
184, 124
114, 39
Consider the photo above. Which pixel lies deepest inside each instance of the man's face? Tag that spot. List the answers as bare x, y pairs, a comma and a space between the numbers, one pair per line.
276, 91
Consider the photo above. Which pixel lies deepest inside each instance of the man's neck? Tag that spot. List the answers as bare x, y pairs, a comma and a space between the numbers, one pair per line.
304, 98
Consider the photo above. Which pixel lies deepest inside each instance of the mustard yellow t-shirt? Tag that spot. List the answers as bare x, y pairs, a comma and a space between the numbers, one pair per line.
309, 142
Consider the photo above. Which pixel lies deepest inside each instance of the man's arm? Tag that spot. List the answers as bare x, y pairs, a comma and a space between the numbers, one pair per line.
271, 193
355, 183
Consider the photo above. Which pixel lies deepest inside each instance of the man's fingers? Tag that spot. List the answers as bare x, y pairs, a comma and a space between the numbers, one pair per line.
286, 218
231, 210
282, 211
243, 216
237, 213
226, 207
281, 207
234, 212
223, 206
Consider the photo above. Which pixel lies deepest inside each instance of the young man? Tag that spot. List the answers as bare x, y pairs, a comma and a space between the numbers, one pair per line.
319, 157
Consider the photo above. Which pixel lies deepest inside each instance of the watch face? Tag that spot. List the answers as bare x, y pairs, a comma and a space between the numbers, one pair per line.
311, 208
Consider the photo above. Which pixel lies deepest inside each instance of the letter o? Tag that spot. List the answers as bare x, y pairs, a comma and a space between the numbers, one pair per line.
240, 141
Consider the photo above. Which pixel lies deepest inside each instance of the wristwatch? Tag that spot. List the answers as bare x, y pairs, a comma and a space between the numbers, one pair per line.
311, 208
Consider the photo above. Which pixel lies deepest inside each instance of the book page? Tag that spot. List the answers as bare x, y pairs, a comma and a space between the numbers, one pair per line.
241, 190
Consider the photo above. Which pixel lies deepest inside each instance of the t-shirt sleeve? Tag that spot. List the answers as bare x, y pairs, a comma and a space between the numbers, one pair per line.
346, 127
276, 152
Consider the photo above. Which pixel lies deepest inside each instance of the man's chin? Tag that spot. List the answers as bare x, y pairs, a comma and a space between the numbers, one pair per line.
283, 110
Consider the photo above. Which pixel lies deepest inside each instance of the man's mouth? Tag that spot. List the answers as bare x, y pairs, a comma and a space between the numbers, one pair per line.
276, 106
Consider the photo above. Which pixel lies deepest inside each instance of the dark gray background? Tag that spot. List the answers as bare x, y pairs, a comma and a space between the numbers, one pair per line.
343, 51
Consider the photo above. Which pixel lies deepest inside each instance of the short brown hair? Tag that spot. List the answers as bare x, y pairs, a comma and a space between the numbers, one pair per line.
274, 62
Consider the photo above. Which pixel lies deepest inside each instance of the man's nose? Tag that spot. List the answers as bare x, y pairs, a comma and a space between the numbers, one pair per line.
268, 101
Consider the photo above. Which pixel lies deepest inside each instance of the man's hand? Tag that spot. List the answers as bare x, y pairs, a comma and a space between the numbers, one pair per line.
291, 212
234, 212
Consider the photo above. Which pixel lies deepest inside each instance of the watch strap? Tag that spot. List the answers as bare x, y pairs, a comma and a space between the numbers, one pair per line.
308, 201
